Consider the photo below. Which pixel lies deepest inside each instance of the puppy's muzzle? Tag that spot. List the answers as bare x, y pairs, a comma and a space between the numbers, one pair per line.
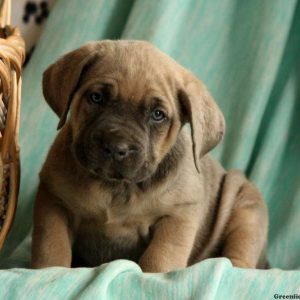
118, 151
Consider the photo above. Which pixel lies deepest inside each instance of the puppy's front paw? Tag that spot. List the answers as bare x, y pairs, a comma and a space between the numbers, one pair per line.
241, 264
150, 265
160, 264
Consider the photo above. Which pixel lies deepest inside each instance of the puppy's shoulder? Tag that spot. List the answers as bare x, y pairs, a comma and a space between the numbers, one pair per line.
60, 174
58, 158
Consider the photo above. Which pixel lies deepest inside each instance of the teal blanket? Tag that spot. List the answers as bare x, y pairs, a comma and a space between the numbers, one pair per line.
248, 54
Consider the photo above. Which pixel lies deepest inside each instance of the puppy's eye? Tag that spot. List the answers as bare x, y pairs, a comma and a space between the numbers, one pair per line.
158, 115
96, 98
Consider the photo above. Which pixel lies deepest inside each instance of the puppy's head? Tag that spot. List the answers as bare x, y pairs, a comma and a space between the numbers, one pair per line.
128, 102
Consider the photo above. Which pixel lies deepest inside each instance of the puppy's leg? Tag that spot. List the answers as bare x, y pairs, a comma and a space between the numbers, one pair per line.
246, 232
171, 245
51, 244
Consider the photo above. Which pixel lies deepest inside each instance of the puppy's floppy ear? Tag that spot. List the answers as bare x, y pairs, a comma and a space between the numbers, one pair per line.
61, 79
206, 120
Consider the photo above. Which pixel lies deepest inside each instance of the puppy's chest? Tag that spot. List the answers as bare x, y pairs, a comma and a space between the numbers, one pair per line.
114, 215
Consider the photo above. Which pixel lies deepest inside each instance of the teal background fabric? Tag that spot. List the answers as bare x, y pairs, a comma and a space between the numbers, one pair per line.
248, 54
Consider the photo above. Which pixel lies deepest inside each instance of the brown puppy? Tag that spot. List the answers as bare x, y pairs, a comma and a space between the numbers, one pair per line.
125, 179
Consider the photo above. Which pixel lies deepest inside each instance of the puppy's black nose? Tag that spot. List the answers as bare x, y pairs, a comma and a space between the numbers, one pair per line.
118, 151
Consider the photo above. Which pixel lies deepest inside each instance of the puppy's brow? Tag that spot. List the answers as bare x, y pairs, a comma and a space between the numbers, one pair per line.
156, 102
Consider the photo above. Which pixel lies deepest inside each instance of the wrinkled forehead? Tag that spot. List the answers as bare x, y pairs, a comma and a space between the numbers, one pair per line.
134, 69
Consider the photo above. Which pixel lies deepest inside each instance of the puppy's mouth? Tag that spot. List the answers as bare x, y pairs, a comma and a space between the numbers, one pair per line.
115, 176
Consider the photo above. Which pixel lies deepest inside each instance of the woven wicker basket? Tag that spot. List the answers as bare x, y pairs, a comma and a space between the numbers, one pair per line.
12, 54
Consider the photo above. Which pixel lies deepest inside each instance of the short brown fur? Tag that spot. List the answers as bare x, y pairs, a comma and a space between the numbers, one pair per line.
173, 205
